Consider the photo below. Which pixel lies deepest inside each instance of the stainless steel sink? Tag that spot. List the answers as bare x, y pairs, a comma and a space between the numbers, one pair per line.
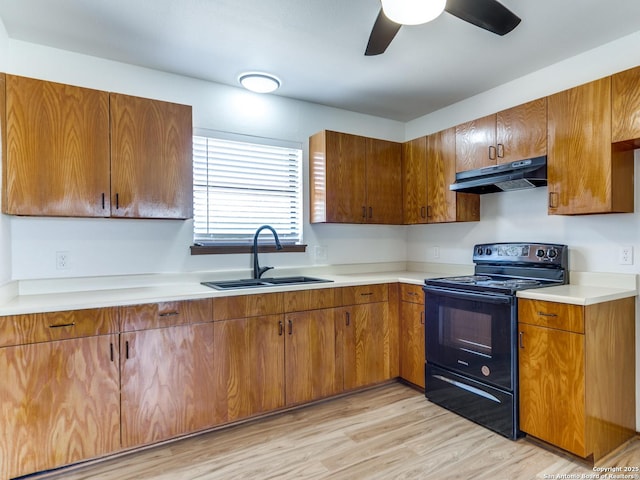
262, 282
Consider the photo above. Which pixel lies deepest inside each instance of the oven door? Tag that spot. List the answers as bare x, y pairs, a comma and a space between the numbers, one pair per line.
472, 333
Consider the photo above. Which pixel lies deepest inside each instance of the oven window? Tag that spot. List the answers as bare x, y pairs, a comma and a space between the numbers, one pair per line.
464, 331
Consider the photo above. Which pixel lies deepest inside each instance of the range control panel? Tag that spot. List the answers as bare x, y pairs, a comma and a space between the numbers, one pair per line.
519, 253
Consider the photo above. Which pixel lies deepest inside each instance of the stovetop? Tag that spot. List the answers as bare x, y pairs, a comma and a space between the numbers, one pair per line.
509, 267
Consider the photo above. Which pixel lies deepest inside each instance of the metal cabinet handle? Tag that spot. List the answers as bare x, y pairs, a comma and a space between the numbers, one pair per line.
543, 314
421, 318
111, 351
429, 212
370, 212
364, 212
280, 328
347, 318
521, 340
423, 212
492, 152
553, 199
126, 349
169, 314
367, 294
500, 150
117, 201
290, 327
103, 201
62, 325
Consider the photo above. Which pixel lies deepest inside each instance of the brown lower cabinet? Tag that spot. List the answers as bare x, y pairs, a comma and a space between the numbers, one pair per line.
412, 346
577, 374
60, 403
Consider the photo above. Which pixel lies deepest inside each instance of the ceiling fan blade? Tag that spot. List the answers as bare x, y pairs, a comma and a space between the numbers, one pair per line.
488, 14
384, 30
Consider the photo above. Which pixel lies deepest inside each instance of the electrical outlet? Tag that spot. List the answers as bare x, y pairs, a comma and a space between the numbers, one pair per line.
625, 255
62, 260
321, 253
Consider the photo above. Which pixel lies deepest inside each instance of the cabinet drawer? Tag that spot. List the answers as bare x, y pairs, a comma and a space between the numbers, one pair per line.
243, 306
153, 315
561, 316
365, 294
46, 327
411, 293
315, 299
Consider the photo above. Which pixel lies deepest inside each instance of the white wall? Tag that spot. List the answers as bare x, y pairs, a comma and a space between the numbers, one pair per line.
113, 247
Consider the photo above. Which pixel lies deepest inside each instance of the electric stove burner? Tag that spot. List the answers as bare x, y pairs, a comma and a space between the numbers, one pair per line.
469, 279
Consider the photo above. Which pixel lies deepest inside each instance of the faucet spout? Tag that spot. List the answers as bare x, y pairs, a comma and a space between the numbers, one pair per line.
257, 270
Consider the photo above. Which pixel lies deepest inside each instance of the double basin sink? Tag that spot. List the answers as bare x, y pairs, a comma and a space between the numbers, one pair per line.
263, 282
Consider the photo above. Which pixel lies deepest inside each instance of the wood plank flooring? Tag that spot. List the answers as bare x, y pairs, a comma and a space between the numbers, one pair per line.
389, 432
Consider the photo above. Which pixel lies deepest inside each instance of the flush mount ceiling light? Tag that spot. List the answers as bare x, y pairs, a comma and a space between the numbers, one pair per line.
259, 82
412, 12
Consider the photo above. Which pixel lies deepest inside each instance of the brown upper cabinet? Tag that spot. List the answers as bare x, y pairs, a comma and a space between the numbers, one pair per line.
586, 173
514, 134
77, 152
625, 115
354, 179
151, 158
56, 161
429, 165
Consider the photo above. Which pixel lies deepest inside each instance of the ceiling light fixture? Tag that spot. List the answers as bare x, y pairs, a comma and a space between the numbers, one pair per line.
412, 12
259, 82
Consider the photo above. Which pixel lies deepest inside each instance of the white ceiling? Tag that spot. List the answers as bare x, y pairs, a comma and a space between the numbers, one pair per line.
316, 46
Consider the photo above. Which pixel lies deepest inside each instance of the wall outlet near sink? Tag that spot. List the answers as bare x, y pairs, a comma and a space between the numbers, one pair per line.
62, 261
625, 255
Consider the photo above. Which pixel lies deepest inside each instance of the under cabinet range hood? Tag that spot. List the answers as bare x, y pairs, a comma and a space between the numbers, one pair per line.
505, 177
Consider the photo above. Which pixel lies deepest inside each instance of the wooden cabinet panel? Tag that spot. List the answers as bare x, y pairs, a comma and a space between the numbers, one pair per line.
411, 293
60, 403
151, 158
577, 390
384, 182
241, 306
625, 115
165, 314
585, 173
473, 140
167, 382
552, 390
366, 345
311, 299
57, 150
337, 177
443, 204
521, 132
412, 344
365, 294
414, 173
249, 366
310, 356
46, 327
562, 316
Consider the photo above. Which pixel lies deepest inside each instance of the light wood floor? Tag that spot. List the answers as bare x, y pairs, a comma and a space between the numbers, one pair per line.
390, 432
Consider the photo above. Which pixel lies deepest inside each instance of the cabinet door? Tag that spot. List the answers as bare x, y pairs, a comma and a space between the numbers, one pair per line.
366, 349
60, 403
337, 177
552, 386
412, 351
414, 172
249, 366
151, 158
310, 356
475, 144
57, 150
384, 182
521, 132
625, 115
167, 382
585, 175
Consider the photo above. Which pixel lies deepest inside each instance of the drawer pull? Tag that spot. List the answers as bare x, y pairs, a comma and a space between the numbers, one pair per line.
62, 325
368, 294
169, 314
543, 314
412, 294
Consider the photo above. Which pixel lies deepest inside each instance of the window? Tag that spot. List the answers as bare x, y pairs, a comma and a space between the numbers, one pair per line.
241, 183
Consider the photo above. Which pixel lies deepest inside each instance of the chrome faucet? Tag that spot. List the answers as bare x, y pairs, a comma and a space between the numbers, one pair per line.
257, 270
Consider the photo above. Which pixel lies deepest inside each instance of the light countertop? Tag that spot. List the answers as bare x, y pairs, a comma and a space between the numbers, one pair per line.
588, 289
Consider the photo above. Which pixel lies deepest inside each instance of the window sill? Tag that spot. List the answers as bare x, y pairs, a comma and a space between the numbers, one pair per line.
228, 249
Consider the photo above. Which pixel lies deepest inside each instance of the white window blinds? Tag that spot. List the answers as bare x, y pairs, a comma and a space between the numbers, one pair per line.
240, 185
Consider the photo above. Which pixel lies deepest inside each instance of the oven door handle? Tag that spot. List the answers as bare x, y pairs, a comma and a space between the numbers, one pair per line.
496, 299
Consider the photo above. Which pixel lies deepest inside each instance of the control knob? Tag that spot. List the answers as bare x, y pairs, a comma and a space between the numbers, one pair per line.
479, 251
540, 253
551, 253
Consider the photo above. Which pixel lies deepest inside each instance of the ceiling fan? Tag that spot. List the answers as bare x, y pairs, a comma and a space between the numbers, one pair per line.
488, 14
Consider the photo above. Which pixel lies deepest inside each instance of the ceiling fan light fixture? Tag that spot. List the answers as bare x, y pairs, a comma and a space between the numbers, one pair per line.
259, 82
412, 12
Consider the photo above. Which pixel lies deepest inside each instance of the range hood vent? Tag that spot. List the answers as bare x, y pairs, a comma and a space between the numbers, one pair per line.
505, 177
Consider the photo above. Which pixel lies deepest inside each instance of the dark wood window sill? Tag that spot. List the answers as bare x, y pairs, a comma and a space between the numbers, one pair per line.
227, 249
